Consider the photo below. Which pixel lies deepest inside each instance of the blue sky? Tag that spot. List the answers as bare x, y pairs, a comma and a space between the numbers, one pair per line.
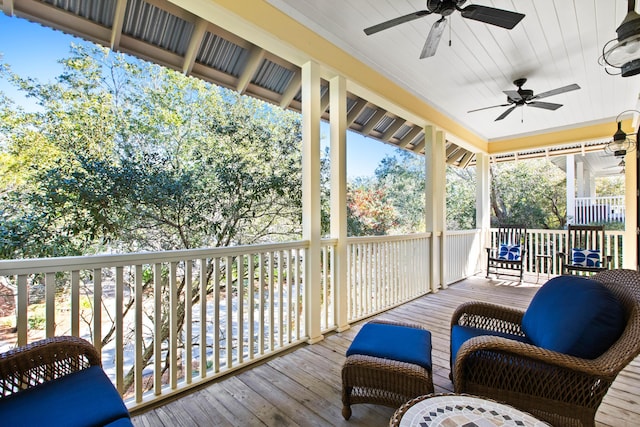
33, 50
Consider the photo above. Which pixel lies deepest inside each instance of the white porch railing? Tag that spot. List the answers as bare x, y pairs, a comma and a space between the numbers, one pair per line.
590, 210
385, 271
208, 312
552, 242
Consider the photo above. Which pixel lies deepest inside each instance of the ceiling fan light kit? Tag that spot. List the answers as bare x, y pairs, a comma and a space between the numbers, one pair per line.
625, 54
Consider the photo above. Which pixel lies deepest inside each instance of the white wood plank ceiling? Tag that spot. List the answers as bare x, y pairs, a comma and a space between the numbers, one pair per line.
558, 43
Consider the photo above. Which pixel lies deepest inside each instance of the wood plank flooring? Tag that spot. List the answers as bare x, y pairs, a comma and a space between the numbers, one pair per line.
303, 386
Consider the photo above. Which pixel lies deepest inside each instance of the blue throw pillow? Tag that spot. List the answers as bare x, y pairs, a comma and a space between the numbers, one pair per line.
585, 257
574, 315
509, 252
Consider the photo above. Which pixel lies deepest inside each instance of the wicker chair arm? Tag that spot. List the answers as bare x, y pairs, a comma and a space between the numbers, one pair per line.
44, 360
524, 351
489, 316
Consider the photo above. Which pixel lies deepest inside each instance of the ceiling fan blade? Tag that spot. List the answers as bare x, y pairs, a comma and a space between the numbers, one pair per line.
545, 105
513, 95
489, 15
435, 34
396, 21
506, 113
557, 91
486, 108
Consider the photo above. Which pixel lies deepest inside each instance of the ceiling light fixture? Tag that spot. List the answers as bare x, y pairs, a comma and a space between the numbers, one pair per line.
621, 144
625, 53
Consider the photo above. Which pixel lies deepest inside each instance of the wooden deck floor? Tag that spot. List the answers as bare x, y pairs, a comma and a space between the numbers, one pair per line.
303, 386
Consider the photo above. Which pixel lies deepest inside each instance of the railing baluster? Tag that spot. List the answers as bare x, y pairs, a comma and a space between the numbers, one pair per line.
203, 318
240, 311
229, 310
188, 321
50, 303
138, 334
216, 315
75, 303
119, 325
97, 309
173, 325
280, 299
251, 298
157, 342
261, 307
22, 307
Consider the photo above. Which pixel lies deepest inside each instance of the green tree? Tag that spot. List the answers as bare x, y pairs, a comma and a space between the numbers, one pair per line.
132, 156
530, 193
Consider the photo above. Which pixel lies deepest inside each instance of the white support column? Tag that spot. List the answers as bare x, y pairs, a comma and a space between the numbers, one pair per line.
311, 196
630, 256
580, 178
571, 188
483, 204
338, 118
435, 202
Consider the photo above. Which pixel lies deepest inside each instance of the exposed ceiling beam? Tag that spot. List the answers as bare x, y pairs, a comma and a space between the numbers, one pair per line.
464, 162
7, 7
256, 55
194, 45
413, 133
420, 145
292, 89
391, 130
118, 22
324, 102
356, 110
373, 121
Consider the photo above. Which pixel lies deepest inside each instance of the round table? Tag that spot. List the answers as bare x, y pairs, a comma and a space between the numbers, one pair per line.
448, 410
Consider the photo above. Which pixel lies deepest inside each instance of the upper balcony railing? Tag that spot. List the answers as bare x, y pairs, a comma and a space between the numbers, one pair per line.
589, 210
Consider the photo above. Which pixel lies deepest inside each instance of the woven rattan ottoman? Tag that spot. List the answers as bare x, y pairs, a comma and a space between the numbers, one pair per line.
387, 364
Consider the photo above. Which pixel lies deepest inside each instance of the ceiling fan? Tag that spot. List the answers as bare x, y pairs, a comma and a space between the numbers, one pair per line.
520, 97
489, 15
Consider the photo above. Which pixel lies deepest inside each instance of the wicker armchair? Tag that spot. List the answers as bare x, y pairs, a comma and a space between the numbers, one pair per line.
561, 389
62, 381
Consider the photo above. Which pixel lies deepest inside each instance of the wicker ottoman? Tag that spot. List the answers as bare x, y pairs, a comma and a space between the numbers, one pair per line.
387, 364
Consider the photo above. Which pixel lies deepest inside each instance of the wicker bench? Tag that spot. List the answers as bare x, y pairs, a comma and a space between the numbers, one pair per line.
387, 364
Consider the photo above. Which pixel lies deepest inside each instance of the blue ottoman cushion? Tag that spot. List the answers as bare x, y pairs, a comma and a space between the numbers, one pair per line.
460, 334
401, 343
81, 399
574, 315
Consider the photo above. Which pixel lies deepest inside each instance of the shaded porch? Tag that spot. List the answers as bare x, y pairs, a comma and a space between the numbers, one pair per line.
302, 386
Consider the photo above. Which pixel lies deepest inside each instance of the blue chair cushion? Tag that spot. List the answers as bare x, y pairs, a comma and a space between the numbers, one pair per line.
509, 252
574, 315
81, 399
401, 343
461, 334
585, 257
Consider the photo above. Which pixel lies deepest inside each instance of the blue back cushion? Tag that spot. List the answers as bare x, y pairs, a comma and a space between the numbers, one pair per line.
574, 315
80, 399
401, 343
585, 257
509, 252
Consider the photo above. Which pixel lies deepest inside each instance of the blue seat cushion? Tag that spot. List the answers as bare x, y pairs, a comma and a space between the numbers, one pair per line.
81, 399
574, 315
401, 343
461, 334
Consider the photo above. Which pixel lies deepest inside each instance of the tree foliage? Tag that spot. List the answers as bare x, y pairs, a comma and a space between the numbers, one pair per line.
138, 157
530, 193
